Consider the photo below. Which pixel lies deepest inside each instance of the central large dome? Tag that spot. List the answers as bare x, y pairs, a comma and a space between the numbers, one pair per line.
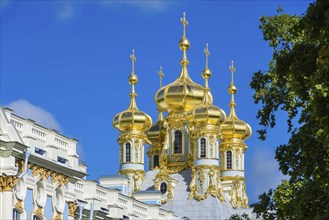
183, 95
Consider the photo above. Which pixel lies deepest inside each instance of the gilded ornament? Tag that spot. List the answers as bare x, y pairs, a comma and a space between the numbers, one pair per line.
7, 183
41, 172
59, 178
19, 206
38, 211
72, 207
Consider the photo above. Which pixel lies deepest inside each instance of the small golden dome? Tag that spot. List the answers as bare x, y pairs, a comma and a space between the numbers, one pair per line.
233, 127
154, 133
207, 113
132, 119
183, 94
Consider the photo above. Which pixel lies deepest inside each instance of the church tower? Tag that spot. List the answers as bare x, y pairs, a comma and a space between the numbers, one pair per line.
232, 149
205, 120
178, 99
132, 124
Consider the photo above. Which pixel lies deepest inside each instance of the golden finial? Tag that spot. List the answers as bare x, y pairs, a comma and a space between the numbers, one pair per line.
161, 74
185, 23
232, 68
206, 73
133, 79
184, 43
232, 90
207, 52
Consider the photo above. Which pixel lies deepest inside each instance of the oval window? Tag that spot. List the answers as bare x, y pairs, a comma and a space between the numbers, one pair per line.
163, 188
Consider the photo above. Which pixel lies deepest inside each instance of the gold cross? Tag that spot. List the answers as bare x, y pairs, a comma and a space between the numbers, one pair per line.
133, 59
232, 71
184, 22
207, 52
161, 74
232, 67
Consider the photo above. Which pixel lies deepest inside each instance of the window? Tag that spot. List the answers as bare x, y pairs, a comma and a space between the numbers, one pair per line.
163, 188
178, 143
155, 161
128, 152
203, 147
39, 151
62, 160
229, 160
125, 217
16, 214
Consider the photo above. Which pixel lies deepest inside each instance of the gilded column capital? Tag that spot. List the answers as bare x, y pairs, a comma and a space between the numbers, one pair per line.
42, 172
72, 207
7, 183
59, 178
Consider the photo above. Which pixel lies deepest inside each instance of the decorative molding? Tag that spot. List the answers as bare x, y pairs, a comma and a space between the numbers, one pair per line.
59, 178
7, 183
72, 207
42, 172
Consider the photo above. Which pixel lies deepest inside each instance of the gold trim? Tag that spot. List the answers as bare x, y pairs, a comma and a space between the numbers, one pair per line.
7, 183
72, 207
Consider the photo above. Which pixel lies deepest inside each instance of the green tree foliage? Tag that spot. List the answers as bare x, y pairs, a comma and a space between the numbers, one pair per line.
244, 216
297, 82
265, 208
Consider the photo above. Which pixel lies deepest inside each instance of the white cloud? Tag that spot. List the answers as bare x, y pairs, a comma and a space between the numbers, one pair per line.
66, 11
264, 172
25, 109
146, 5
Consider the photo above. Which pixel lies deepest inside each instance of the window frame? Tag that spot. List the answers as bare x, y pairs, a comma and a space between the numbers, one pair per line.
158, 161
181, 142
125, 154
229, 160
201, 155
166, 188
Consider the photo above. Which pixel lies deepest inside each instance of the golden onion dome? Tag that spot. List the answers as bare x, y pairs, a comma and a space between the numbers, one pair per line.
154, 133
132, 119
183, 94
233, 127
207, 113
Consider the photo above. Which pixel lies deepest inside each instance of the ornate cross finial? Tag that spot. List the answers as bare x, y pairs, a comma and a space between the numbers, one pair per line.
161, 74
133, 59
207, 52
232, 68
184, 22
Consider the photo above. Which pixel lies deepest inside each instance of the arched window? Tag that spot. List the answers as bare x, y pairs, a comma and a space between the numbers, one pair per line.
155, 161
128, 152
202, 147
229, 160
178, 143
163, 188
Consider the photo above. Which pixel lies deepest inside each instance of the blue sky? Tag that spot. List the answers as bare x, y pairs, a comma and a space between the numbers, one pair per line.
65, 64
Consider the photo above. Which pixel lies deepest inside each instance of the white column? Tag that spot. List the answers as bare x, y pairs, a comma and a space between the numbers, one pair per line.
6, 198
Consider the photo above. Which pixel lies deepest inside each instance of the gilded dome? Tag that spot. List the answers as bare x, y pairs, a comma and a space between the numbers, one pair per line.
233, 127
132, 119
182, 95
207, 113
